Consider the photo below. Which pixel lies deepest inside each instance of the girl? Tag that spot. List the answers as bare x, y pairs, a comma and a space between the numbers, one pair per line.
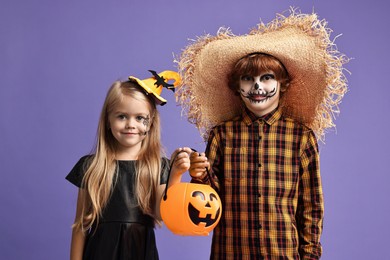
122, 183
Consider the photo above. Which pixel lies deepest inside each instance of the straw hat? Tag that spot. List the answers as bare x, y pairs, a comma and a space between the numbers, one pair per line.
155, 84
300, 41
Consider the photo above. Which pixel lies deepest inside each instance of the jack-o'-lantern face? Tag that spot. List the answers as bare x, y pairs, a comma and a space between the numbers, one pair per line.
191, 209
204, 207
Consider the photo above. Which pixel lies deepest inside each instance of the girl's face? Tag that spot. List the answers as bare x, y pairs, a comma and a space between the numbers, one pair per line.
260, 93
129, 122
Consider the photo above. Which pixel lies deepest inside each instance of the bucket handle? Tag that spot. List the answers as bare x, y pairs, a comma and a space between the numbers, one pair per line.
165, 197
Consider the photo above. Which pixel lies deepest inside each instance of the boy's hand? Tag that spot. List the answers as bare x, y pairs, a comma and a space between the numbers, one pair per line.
199, 163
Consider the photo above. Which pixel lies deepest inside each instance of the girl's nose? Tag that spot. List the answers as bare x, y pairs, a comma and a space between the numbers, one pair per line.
129, 124
257, 86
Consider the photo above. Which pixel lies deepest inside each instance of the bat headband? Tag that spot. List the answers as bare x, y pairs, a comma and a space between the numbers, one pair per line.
155, 84
300, 41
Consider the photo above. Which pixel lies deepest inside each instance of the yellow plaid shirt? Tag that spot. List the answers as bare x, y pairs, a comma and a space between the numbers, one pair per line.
266, 171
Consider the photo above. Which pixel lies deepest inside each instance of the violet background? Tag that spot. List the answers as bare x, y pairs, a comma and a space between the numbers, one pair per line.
58, 58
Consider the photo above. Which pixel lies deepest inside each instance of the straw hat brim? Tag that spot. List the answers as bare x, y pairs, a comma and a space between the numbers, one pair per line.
301, 42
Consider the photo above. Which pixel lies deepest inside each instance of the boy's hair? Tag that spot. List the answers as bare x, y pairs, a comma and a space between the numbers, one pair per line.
100, 175
253, 65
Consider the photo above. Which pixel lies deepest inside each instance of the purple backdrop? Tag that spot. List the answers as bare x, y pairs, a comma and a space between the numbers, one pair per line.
57, 59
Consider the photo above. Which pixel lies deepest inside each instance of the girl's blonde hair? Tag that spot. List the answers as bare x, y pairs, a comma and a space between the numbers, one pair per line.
100, 174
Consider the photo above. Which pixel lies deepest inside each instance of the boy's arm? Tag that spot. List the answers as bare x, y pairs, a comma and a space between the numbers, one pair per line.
310, 203
211, 159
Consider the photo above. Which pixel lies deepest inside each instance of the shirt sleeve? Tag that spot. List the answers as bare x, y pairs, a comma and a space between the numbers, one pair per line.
310, 203
76, 175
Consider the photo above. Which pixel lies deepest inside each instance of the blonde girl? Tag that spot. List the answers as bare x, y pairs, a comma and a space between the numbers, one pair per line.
122, 181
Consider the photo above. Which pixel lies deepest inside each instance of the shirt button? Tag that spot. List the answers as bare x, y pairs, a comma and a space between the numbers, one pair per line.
259, 165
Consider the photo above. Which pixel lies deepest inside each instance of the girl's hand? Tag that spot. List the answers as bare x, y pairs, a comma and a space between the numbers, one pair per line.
181, 163
199, 163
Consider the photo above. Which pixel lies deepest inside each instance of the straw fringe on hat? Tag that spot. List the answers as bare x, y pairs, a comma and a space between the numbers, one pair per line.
300, 41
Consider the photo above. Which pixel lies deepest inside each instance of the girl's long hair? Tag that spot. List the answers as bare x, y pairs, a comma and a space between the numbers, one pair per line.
100, 175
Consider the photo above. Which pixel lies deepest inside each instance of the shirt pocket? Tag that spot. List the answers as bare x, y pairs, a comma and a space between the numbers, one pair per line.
285, 176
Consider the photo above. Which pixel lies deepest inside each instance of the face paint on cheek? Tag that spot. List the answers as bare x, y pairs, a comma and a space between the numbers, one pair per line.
243, 93
146, 123
272, 92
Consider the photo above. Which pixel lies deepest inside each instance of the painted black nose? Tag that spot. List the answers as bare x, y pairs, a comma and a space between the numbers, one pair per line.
257, 86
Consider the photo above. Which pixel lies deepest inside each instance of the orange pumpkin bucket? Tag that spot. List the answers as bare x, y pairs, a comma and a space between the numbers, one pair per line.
191, 209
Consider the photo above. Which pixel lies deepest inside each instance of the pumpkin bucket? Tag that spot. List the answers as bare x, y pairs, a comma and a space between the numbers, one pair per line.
191, 209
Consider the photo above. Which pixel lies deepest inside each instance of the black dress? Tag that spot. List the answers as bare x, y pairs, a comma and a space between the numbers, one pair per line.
123, 232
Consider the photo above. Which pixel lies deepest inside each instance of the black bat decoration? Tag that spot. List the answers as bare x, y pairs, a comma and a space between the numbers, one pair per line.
160, 81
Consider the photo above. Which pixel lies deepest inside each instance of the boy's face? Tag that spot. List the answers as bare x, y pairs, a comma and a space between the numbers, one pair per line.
260, 93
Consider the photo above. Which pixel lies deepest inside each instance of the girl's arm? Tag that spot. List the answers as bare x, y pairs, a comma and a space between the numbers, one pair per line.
78, 237
180, 161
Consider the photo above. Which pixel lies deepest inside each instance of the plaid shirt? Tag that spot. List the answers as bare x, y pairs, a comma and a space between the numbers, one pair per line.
266, 171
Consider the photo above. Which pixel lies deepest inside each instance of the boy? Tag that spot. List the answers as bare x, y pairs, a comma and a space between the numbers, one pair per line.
259, 100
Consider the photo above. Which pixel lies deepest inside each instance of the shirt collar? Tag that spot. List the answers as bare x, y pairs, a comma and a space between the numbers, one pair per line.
270, 118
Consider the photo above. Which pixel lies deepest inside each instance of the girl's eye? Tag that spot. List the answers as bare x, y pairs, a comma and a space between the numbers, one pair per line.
122, 117
246, 78
143, 120
140, 118
266, 77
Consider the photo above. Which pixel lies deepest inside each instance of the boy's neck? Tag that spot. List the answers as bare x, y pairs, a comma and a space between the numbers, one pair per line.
261, 115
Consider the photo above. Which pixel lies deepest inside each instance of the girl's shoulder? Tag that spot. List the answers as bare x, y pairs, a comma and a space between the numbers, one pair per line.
75, 176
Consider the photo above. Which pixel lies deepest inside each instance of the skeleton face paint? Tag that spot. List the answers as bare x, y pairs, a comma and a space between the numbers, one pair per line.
260, 93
